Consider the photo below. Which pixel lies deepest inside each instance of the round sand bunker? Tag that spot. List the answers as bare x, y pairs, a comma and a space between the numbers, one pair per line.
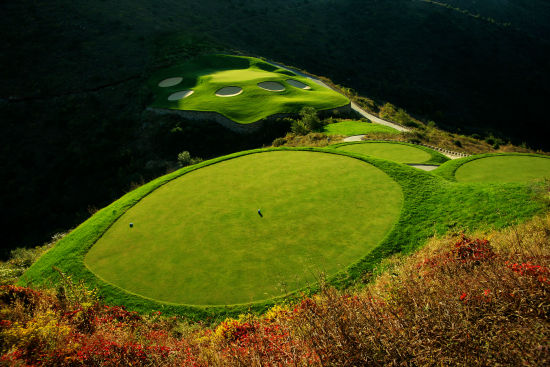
229, 91
298, 84
180, 95
272, 86
170, 82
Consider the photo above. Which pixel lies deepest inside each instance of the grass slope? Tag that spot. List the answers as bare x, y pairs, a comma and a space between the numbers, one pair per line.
394, 151
432, 205
349, 128
207, 74
496, 167
199, 239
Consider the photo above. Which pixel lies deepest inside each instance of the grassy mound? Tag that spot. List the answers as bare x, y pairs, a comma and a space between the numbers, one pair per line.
395, 151
431, 205
200, 240
349, 128
497, 167
206, 75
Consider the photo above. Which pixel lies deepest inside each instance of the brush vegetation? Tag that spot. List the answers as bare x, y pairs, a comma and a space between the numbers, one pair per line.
480, 299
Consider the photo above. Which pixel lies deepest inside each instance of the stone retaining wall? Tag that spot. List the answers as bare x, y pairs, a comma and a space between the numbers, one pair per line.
444, 150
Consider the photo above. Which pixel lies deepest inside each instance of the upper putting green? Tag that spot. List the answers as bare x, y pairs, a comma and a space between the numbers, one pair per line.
200, 240
506, 168
253, 81
395, 151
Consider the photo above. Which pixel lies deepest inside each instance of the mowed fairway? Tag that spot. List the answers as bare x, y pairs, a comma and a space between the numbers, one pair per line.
206, 76
199, 239
504, 169
400, 153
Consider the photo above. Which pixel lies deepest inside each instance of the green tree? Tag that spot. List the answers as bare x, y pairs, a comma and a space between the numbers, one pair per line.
185, 159
309, 121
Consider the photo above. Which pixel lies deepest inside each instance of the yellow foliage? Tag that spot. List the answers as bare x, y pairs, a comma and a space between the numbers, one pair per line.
225, 329
277, 312
45, 330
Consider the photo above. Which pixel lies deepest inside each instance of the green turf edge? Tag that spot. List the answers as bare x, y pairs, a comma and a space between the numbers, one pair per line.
436, 157
425, 212
448, 169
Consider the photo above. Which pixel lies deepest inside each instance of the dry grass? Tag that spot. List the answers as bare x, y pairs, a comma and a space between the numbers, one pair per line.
309, 140
462, 143
456, 302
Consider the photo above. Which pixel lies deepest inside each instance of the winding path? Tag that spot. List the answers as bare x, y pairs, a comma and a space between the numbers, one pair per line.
370, 116
354, 106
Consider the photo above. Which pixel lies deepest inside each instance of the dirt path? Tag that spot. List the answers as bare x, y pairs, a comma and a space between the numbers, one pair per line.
425, 167
354, 138
377, 119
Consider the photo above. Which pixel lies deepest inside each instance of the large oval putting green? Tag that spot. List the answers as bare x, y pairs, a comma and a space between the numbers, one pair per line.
513, 168
396, 152
200, 240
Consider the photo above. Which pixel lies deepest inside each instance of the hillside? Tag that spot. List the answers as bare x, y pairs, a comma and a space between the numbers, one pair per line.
72, 142
273, 183
453, 67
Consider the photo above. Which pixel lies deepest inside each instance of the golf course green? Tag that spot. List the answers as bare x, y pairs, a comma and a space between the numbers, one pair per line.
199, 239
193, 243
395, 151
349, 128
504, 168
235, 86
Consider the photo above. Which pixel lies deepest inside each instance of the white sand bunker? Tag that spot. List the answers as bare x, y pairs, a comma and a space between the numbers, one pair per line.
170, 82
272, 86
229, 91
180, 95
298, 84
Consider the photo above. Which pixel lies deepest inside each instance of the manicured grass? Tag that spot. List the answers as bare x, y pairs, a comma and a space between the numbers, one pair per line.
504, 169
496, 167
431, 206
395, 151
199, 239
207, 74
349, 128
